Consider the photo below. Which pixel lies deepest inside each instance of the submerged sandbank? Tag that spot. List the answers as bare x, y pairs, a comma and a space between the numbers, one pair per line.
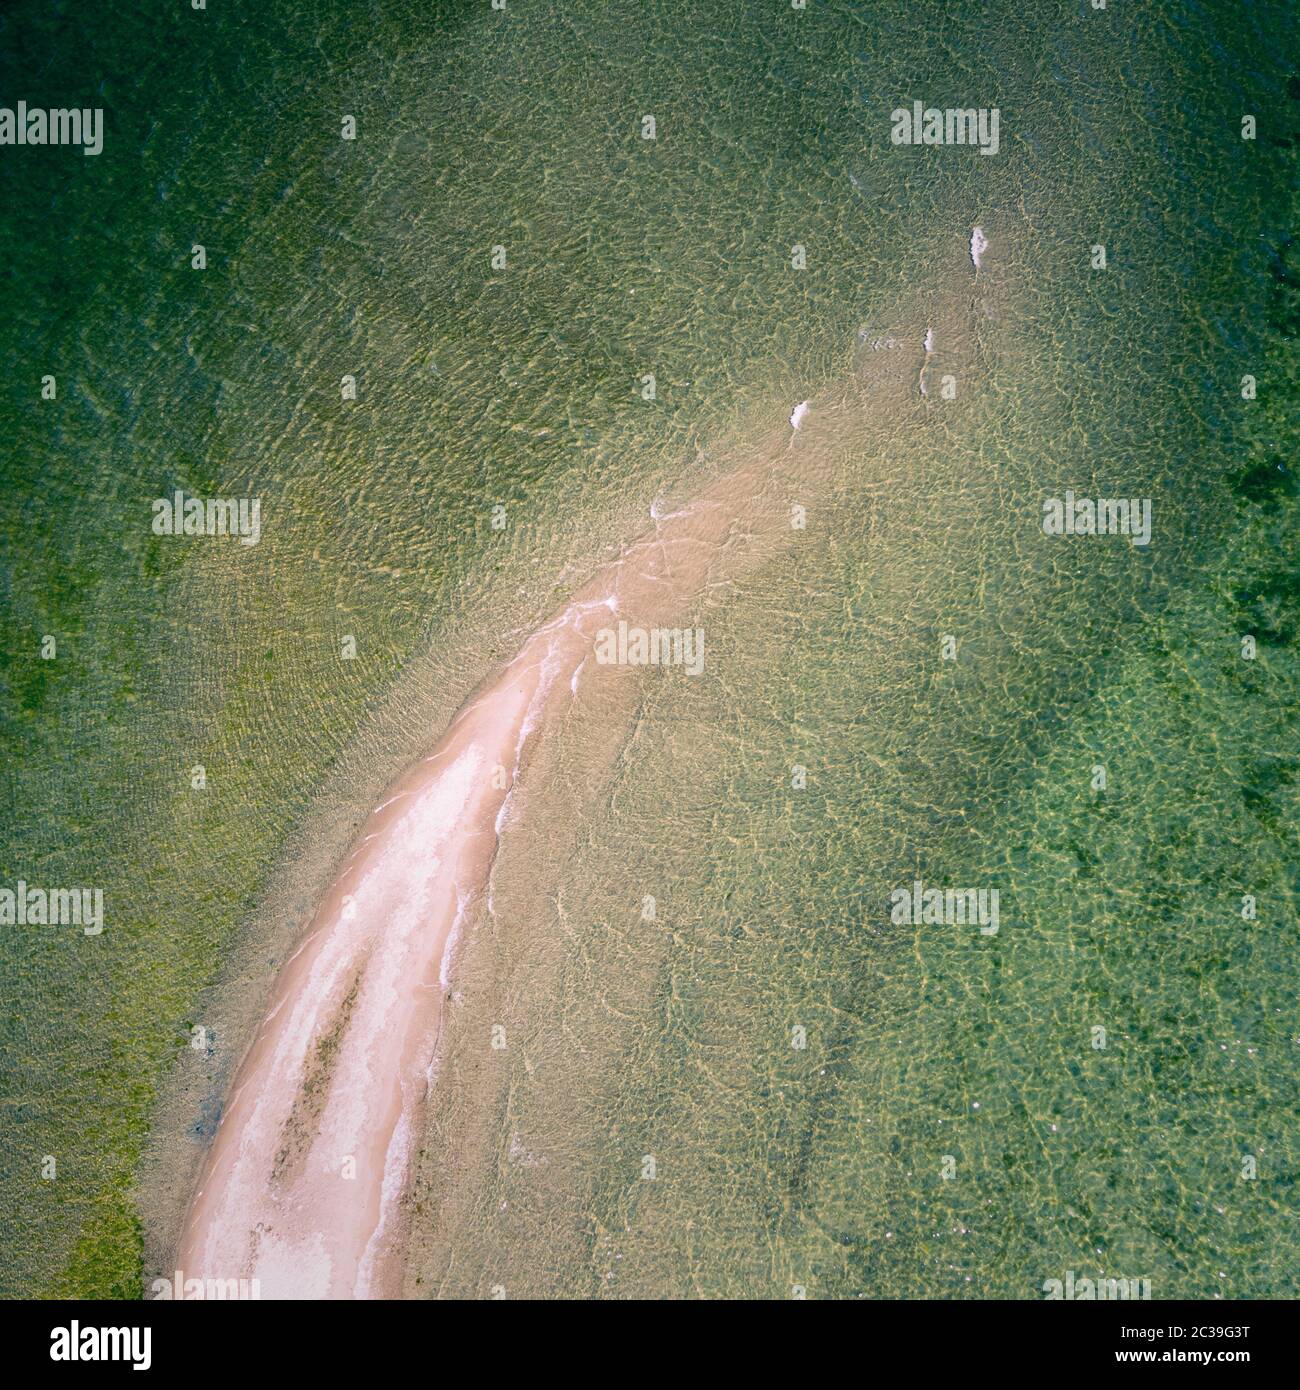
302, 1187
304, 1184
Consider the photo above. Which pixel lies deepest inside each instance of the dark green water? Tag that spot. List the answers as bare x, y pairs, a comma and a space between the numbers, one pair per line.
818, 1168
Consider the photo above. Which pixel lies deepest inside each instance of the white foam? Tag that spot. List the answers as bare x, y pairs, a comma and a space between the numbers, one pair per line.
453, 937
397, 1162
979, 243
499, 824
797, 415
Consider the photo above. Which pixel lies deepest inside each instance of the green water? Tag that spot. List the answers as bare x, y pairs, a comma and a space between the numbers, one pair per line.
777, 1167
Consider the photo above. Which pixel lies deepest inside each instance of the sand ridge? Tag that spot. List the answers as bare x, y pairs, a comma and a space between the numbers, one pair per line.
303, 1184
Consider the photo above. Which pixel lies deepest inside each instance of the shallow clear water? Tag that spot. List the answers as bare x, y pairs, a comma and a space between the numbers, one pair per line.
776, 1167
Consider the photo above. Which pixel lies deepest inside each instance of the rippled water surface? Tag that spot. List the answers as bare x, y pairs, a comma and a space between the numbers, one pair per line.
688, 946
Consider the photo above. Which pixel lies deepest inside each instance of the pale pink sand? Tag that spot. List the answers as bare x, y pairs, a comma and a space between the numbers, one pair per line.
302, 1201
